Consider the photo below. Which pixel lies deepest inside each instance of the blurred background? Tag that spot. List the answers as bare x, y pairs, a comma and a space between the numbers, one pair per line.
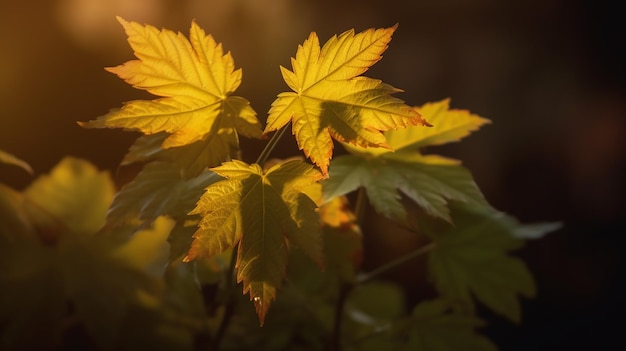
550, 74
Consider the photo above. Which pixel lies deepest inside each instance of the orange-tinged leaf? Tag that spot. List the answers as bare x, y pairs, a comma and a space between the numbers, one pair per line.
262, 212
450, 125
336, 213
195, 80
331, 100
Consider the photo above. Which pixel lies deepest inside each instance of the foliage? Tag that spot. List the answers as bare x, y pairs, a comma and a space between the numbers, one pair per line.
83, 264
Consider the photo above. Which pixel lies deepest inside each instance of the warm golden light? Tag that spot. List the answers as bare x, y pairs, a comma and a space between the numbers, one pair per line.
92, 22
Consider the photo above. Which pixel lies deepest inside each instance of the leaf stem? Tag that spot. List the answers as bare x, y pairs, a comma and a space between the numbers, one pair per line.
335, 341
271, 145
231, 301
365, 277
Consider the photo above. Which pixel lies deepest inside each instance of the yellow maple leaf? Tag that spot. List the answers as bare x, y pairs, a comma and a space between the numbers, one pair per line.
331, 100
450, 125
195, 80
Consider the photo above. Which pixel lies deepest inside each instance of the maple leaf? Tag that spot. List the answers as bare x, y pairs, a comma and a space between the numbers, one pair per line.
430, 181
262, 212
159, 189
450, 125
435, 326
195, 80
34, 283
331, 100
191, 159
471, 258
98, 275
74, 195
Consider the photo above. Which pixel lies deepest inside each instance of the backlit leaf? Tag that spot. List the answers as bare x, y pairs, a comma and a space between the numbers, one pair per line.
195, 80
331, 99
430, 181
449, 125
262, 212
75, 195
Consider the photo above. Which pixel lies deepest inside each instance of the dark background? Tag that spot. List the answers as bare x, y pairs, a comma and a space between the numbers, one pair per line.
549, 74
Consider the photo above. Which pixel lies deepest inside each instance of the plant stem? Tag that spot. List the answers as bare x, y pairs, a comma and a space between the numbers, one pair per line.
364, 278
335, 342
231, 301
346, 289
269, 147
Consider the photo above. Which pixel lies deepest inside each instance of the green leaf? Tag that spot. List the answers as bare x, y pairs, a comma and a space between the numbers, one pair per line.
536, 230
15, 224
371, 311
434, 326
7, 158
159, 189
32, 298
471, 259
431, 181
376, 303
181, 237
262, 213
75, 195
105, 280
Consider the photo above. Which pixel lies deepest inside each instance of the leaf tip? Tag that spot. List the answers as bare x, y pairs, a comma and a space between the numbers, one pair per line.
95, 123
260, 309
122, 21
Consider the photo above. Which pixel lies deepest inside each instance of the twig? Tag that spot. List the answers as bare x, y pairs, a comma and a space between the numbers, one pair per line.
269, 147
364, 278
231, 302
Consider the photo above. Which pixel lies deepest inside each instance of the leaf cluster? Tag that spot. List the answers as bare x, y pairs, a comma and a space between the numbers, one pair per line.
169, 249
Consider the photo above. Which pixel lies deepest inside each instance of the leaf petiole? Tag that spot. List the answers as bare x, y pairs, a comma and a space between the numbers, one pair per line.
365, 277
271, 145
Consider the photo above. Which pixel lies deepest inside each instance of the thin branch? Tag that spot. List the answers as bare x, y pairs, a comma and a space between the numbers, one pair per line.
269, 147
231, 301
363, 278
335, 341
